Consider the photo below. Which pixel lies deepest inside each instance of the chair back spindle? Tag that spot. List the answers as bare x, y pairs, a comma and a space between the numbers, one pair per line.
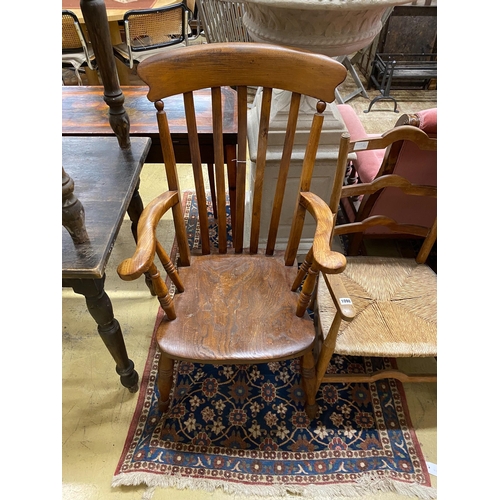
260, 164
241, 162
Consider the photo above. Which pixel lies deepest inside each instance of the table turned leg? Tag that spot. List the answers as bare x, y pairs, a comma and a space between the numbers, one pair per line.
101, 309
73, 213
96, 20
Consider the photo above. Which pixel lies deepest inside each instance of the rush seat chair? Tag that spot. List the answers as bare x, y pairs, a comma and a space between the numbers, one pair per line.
237, 305
380, 306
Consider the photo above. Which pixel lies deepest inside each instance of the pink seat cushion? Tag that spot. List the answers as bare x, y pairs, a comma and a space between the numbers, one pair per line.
367, 163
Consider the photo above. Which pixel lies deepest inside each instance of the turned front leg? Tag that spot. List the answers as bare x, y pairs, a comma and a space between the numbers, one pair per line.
307, 291
164, 382
309, 384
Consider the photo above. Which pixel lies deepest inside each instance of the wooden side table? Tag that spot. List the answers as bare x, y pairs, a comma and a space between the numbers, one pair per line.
102, 178
84, 112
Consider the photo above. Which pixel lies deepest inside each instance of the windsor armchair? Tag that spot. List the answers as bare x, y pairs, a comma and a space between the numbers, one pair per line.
237, 304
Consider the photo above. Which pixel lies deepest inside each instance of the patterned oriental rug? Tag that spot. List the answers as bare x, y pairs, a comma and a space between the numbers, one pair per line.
243, 429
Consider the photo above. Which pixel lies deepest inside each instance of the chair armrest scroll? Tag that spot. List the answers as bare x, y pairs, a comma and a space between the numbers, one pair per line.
130, 269
327, 260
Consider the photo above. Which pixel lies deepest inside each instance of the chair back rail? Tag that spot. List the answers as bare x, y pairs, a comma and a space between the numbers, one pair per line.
237, 65
393, 141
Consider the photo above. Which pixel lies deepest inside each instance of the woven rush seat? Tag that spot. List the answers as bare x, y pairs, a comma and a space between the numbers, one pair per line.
260, 322
400, 291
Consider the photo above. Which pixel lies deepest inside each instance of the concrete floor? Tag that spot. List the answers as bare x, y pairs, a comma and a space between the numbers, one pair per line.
97, 410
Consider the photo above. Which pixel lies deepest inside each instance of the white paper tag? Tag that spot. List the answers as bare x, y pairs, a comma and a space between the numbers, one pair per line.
359, 146
345, 301
432, 468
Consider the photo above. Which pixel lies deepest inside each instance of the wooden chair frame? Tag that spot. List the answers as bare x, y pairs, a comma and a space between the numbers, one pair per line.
225, 333
344, 307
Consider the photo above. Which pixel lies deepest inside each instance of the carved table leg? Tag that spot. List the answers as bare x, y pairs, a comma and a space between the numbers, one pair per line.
101, 309
96, 20
73, 213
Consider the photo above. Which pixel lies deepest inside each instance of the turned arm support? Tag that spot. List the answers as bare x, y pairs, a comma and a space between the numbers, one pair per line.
132, 268
327, 260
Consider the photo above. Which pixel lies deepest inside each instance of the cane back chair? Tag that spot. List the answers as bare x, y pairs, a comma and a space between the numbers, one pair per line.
236, 305
381, 306
76, 52
150, 31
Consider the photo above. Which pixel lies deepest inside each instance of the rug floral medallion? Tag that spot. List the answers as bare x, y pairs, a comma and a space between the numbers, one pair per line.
243, 429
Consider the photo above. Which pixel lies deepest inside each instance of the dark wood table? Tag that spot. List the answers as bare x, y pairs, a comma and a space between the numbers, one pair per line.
84, 113
103, 178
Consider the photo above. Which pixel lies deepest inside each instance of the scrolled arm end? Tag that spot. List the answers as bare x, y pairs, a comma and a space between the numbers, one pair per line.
133, 267
326, 259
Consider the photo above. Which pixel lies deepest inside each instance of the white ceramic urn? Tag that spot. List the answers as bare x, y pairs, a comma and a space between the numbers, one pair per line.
331, 27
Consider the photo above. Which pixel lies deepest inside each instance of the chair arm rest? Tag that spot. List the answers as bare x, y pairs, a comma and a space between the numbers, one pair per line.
327, 260
340, 297
130, 269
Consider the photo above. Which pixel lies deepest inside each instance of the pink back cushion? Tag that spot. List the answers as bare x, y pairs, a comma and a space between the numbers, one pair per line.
367, 163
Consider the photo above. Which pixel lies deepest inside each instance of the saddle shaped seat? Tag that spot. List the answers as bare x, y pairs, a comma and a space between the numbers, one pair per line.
261, 289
